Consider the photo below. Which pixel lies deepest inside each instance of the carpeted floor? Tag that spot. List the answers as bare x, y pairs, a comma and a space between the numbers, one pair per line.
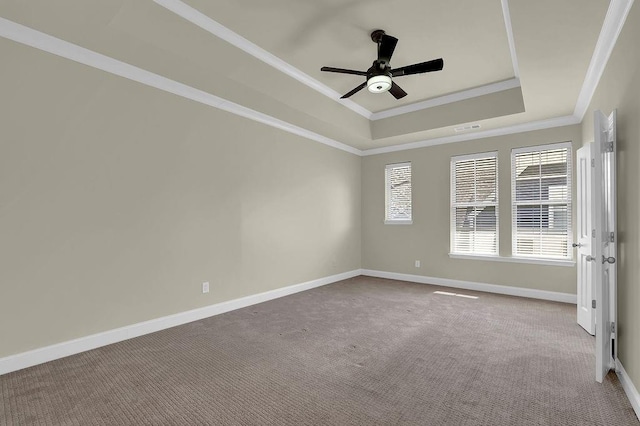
364, 351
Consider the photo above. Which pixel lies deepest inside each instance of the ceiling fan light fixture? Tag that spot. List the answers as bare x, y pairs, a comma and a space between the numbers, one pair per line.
379, 83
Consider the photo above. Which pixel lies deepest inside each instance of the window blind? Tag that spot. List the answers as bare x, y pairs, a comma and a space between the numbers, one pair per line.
398, 193
541, 201
474, 204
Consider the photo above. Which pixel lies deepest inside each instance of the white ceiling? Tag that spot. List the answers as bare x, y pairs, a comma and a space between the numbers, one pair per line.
272, 65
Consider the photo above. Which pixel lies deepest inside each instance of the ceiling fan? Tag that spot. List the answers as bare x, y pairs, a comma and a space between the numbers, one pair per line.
379, 76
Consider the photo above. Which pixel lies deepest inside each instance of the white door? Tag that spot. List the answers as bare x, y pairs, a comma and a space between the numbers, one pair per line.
586, 313
604, 241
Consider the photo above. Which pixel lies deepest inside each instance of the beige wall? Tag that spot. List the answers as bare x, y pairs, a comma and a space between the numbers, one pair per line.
497, 104
619, 89
117, 201
394, 248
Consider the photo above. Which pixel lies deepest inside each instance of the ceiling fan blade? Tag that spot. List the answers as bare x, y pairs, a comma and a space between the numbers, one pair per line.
429, 66
343, 71
386, 47
397, 91
354, 91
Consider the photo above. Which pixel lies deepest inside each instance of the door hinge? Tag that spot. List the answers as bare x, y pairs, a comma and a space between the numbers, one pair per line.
593, 304
613, 327
612, 237
608, 147
593, 233
593, 162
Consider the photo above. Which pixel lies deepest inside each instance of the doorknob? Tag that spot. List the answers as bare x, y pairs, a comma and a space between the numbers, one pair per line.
589, 258
576, 245
608, 259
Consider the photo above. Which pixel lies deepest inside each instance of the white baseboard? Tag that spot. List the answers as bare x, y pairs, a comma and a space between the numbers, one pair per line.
469, 285
82, 344
629, 388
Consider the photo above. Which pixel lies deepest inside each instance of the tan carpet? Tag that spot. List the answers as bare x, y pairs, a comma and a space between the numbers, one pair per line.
364, 351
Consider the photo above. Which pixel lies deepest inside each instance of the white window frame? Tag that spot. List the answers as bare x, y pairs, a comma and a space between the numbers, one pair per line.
514, 203
453, 205
387, 195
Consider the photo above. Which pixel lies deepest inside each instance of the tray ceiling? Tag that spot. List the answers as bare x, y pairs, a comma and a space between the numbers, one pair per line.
492, 76
470, 35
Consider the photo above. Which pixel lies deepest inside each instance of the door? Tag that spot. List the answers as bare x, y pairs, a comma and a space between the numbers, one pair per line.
586, 313
604, 241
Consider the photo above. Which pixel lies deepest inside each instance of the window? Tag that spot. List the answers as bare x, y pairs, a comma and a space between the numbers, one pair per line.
398, 193
474, 204
541, 201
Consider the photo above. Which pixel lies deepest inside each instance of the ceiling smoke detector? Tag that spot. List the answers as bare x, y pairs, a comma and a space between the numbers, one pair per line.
466, 128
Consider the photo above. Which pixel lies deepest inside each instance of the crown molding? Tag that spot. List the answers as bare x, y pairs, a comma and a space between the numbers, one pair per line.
45, 42
517, 128
611, 28
448, 99
614, 21
203, 21
206, 23
512, 43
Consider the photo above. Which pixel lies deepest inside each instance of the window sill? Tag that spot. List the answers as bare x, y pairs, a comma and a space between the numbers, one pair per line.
399, 222
535, 261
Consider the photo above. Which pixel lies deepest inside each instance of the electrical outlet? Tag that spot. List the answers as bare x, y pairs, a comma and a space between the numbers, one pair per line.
417, 263
205, 287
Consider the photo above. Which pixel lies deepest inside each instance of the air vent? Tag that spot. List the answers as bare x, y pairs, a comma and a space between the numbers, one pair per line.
467, 128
